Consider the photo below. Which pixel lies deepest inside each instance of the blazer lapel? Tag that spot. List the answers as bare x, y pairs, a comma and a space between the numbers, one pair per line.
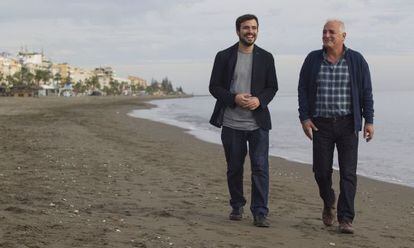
256, 64
232, 63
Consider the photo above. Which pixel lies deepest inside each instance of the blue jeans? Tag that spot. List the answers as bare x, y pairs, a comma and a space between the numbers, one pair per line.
340, 133
235, 144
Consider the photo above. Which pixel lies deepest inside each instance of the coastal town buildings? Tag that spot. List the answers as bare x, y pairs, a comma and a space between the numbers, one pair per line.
8, 66
60, 72
33, 61
30, 58
35, 70
79, 74
104, 75
138, 82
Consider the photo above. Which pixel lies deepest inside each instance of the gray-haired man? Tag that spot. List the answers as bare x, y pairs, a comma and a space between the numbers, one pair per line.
335, 93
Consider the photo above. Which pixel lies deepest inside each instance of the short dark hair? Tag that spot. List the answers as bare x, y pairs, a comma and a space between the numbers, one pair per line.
244, 18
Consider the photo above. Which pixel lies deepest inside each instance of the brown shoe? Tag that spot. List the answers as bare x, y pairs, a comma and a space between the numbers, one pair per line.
346, 227
328, 216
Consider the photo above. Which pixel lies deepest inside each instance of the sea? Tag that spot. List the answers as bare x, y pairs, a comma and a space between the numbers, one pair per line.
388, 157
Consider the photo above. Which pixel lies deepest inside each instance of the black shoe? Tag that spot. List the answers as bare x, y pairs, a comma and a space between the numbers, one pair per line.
261, 221
236, 214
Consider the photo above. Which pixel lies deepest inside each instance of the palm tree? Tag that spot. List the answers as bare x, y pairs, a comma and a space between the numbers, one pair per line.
11, 80
26, 77
78, 87
38, 76
114, 87
92, 83
57, 78
42, 75
23, 77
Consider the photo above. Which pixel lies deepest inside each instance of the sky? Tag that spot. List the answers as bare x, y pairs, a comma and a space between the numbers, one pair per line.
179, 38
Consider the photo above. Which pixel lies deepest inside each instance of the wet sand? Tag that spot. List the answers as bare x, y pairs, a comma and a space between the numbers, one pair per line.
80, 172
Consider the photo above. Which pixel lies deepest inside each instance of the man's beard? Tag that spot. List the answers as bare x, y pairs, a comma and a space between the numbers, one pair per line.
246, 42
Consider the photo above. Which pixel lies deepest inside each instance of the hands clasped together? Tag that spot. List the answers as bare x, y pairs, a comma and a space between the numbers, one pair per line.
247, 101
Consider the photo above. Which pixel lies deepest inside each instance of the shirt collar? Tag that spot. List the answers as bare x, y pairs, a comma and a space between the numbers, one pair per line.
342, 56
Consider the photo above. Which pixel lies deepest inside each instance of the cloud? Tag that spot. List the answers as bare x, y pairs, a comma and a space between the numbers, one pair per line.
127, 32
191, 29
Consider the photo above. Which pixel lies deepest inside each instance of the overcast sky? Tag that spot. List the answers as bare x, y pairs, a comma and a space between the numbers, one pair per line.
179, 38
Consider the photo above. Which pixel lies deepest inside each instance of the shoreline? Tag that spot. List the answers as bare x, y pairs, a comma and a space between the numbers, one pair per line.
193, 133
82, 173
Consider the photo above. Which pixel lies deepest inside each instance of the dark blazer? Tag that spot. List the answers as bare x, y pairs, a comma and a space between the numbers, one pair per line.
361, 89
263, 85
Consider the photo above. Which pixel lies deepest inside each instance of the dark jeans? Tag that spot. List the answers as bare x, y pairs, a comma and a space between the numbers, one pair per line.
339, 132
235, 148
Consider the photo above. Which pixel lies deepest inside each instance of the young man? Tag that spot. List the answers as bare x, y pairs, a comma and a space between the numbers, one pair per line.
334, 94
244, 81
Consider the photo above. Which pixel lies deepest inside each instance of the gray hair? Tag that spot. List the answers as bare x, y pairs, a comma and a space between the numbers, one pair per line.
341, 24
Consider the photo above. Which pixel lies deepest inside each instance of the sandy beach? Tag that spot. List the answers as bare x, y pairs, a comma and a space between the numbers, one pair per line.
80, 172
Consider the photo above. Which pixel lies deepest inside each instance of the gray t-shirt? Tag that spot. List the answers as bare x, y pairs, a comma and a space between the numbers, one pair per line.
240, 118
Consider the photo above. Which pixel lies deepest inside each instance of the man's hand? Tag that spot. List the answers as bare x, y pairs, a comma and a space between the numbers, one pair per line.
253, 103
242, 99
368, 131
308, 128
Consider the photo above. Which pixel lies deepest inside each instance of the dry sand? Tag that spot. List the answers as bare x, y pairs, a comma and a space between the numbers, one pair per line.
80, 172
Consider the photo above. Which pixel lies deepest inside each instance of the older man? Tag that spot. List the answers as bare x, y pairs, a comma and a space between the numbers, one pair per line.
335, 94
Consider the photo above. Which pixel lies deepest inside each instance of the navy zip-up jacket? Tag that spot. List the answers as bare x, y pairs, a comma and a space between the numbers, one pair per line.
361, 88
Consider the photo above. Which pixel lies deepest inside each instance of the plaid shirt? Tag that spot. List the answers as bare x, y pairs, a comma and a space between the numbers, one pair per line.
333, 96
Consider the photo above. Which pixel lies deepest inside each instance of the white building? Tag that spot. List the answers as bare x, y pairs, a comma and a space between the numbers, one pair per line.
104, 75
79, 74
30, 58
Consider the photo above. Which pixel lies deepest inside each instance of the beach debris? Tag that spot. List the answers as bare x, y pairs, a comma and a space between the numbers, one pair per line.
76, 211
103, 221
52, 204
332, 244
117, 230
171, 243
